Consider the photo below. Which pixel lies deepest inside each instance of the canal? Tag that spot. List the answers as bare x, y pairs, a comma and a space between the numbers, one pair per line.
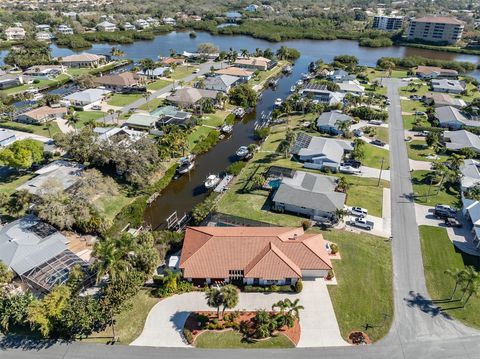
183, 194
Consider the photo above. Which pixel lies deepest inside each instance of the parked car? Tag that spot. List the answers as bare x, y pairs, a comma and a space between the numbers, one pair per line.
358, 211
423, 133
352, 162
387, 101
375, 122
444, 211
415, 97
377, 142
348, 169
323, 222
362, 223
196, 71
358, 132
96, 107
452, 222
420, 113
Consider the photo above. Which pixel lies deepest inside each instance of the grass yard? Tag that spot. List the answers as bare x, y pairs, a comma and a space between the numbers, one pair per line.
181, 72
214, 119
121, 100
382, 133
437, 195
374, 155
409, 121
130, 322
364, 274
110, 206
10, 180
86, 116
158, 84
232, 339
471, 93
412, 106
374, 74
264, 75
418, 150
46, 130
439, 254
421, 90
152, 105
198, 133
365, 193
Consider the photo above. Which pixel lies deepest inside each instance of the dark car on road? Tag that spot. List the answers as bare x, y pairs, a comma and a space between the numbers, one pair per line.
353, 163
377, 142
452, 222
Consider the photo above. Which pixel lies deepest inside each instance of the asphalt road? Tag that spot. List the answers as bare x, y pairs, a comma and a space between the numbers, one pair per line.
419, 330
203, 69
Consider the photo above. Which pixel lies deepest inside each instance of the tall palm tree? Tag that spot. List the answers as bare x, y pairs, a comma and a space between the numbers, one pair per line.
72, 119
214, 299
229, 297
342, 184
459, 276
471, 278
110, 259
473, 289
294, 307
243, 52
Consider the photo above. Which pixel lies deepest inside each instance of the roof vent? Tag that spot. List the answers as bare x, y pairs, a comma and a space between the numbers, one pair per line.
294, 237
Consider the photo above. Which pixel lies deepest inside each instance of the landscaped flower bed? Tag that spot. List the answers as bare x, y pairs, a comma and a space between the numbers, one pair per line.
242, 322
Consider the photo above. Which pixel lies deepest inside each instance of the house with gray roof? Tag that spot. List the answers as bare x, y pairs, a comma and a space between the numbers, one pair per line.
340, 75
443, 99
171, 115
321, 94
309, 194
87, 97
328, 122
189, 96
319, 152
7, 137
37, 253
448, 86
63, 174
141, 121
222, 83
454, 119
153, 74
457, 140
470, 173
352, 87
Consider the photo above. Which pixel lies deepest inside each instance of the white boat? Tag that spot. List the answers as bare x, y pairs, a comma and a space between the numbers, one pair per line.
239, 112
293, 88
226, 129
242, 151
299, 82
278, 102
288, 69
211, 181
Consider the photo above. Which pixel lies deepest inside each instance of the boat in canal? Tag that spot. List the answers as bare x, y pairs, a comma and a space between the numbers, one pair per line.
226, 129
278, 102
242, 152
273, 83
239, 112
186, 164
287, 69
211, 181
293, 88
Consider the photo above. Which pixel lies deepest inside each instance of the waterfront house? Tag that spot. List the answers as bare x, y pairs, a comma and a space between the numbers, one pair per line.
233, 16
433, 72
340, 75
457, 140
309, 194
169, 21
328, 122
253, 255
43, 36
15, 33
242, 74
189, 96
153, 74
42, 114
254, 63
106, 26
170, 115
44, 72
37, 253
7, 137
352, 87
320, 152
42, 27
129, 27
82, 60
65, 30
119, 135
141, 24
321, 94
169, 61
222, 83
119, 82
448, 86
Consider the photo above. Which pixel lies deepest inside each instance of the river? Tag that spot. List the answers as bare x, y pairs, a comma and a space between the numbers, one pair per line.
184, 193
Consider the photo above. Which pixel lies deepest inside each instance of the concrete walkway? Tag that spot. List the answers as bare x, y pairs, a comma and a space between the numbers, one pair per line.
419, 165
20, 135
374, 173
64, 126
319, 326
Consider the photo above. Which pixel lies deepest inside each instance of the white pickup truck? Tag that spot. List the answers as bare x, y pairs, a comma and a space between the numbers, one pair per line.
362, 223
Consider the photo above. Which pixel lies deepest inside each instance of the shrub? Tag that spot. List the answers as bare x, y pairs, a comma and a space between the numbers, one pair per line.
306, 224
274, 288
236, 167
298, 286
262, 133
188, 336
208, 142
158, 280
333, 248
16, 127
330, 274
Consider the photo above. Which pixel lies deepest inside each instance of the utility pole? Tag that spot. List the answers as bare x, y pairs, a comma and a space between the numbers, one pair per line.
380, 175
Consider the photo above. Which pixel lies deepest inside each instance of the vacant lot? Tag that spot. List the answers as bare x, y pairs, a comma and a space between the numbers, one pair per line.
431, 195
121, 100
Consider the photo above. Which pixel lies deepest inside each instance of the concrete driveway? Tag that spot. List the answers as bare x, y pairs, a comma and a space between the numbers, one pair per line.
319, 327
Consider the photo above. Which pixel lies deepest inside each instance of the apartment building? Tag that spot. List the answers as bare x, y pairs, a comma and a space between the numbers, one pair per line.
446, 30
387, 23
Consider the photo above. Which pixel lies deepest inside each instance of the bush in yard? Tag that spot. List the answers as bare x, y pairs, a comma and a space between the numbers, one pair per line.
274, 288
330, 275
188, 336
306, 224
333, 248
262, 133
298, 286
236, 167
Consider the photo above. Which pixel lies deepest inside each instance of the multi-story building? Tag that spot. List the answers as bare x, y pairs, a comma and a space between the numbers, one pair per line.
436, 29
388, 23
15, 33
65, 30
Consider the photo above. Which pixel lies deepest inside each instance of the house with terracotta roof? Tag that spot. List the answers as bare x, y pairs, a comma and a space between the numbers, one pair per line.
433, 72
254, 63
243, 74
253, 255
169, 61
42, 114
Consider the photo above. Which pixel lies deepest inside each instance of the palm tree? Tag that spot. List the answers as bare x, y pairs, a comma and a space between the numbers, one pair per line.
146, 96
243, 52
72, 119
455, 161
294, 308
229, 297
115, 52
342, 184
459, 276
474, 289
340, 213
214, 299
471, 279
110, 259
148, 65
343, 126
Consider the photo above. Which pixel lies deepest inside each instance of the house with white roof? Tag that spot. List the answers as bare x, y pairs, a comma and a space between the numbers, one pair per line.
129, 27
471, 210
141, 24
42, 27
352, 87
454, 119
15, 33
65, 30
82, 60
222, 83
251, 8
329, 122
470, 173
43, 36
448, 86
169, 21
141, 121
7, 137
87, 97
107, 26
155, 73
119, 135
321, 94
320, 152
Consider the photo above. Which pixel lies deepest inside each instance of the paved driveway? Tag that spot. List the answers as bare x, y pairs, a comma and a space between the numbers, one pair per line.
318, 322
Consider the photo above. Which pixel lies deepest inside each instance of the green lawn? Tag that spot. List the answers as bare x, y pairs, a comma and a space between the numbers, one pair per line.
418, 150
409, 121
412, 106
232, 339
374, 74
129, 323
365, 193
49, 130
439, 254
41, 84
382, 134
437, 195
10, 180
214, 119
158, 85
364, 276
181, 72
121, 100
264, 75
152, 105
472, 93
374, 155
86, 116
110, 206
419, 91
198, 133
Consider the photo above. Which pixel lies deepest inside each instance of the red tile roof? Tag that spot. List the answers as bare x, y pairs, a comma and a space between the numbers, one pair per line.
441, 20
260, 252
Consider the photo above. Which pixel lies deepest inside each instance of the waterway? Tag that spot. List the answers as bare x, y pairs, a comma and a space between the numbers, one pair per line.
183, 194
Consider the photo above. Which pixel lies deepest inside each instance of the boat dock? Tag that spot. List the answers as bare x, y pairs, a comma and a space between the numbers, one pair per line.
222, 186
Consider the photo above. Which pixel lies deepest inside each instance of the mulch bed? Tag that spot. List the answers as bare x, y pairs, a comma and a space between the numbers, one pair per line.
192, 324
359, 338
